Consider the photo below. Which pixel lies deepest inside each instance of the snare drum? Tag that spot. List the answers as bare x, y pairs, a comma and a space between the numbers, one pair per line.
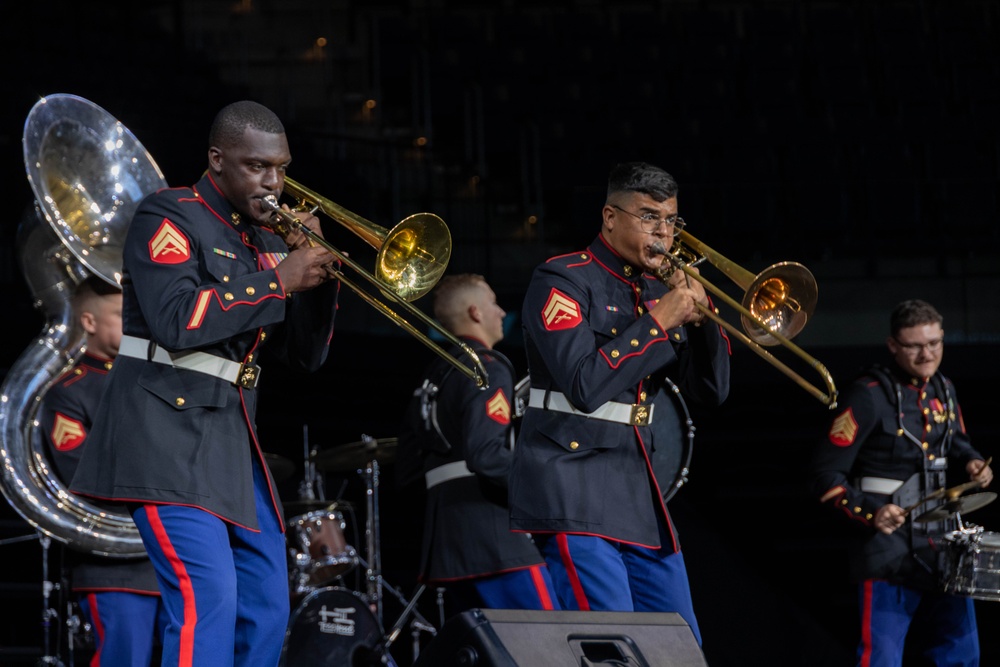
319, 550
974, 566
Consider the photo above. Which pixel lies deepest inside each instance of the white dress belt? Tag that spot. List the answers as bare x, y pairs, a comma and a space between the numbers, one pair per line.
622, 413
447, 472
883, 485
192, 360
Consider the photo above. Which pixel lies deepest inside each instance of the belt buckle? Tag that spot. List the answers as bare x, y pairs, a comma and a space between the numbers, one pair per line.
249, 374
640, 415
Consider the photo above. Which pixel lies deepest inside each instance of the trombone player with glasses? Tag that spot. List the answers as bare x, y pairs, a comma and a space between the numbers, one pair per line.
603, 335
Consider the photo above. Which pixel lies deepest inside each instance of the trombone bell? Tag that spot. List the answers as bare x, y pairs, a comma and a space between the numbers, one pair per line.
782, 297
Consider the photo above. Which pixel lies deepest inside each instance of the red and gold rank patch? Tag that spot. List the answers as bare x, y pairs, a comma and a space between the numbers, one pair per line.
844, 429
169, 245
560, 312
498, 408
67, 433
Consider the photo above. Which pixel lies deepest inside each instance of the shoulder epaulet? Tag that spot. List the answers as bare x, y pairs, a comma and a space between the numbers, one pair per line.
885, 379
572, 259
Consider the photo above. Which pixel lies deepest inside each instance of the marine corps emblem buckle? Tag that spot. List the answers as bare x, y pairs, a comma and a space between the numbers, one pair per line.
249, 375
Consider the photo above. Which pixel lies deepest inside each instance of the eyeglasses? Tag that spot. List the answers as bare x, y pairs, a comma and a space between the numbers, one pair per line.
913, 348
650, 222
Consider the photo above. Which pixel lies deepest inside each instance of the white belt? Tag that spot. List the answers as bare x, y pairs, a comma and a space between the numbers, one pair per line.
232, 371
622, 413
882, 485
447, 472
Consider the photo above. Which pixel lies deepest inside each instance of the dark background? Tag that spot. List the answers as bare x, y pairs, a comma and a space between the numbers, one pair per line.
859, 138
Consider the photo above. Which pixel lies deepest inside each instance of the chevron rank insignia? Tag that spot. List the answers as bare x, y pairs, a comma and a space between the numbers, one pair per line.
844, 429
560, 312
67, 433
498, 408
169, 245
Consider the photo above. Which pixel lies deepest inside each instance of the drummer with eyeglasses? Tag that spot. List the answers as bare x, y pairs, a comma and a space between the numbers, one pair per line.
884, 465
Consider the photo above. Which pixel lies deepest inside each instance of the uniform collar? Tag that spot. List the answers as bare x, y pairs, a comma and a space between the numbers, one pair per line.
97, 363
906, 379
613, 262
210, 193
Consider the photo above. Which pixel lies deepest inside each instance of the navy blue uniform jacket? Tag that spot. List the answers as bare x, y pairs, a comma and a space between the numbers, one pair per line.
589, 335
64, 421
466, 525
195, 277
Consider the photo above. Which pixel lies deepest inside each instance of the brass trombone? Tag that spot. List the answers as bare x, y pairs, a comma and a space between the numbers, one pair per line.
777, 304
412, 257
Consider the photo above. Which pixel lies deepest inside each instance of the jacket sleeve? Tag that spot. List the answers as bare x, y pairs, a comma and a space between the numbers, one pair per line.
835, 455
486, 422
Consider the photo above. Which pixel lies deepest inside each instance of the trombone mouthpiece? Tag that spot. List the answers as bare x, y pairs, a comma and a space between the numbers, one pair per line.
270, 202
659, 248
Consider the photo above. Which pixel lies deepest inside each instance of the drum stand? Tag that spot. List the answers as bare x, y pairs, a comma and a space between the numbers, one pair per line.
49, 613
375, 583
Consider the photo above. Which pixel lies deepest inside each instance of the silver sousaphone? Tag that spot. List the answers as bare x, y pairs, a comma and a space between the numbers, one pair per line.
88, 173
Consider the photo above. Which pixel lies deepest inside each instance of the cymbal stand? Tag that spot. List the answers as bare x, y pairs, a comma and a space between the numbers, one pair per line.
372, 546
418, 624
48, 612
311, 486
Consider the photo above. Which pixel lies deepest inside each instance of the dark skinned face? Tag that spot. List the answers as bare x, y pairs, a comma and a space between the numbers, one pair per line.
250, 170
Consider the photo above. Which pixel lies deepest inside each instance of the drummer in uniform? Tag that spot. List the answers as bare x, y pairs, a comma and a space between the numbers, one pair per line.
898, 434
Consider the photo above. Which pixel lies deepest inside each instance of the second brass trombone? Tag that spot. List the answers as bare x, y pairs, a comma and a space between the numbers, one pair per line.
777, 303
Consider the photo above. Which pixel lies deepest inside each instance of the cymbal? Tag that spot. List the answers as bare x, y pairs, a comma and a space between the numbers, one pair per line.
962, 505
355, 455
281, 468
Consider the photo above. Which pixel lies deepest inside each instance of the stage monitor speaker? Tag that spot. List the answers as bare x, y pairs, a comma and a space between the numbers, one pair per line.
517, 638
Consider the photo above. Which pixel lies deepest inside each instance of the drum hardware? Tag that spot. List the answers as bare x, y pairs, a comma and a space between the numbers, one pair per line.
355, 455
972, 563
957, 507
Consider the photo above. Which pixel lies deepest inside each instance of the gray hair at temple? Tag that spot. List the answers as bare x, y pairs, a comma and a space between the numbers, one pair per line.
912, 313
233, 120
641, 177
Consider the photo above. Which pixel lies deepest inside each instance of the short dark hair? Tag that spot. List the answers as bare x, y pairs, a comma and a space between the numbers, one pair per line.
233, 119
642, 177
912, 313
447, 297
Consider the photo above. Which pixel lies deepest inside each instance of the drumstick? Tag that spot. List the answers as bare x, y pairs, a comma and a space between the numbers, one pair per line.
953, 493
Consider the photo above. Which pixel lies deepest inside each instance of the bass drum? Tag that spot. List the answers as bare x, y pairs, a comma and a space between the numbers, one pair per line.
332, 627
671, 463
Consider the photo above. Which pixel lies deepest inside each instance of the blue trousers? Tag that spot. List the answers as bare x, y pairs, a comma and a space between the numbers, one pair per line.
944, 626
126, 627
530, 588
592, 573
225, 588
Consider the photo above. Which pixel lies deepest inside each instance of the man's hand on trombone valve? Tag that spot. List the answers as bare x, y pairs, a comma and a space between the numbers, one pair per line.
677, 307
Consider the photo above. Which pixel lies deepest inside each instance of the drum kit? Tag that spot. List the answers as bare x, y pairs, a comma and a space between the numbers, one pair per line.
332, 624
972, 555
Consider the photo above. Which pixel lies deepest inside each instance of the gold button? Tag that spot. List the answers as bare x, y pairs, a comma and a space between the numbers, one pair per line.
927, 411
614, 330
843, 501
614, 354
251, 291
228, 296
107, 365
640, 310
273, 286
924, 445
250, 358
634, 343
677, 336
923, 395
574, 445
899, 432
225, 279
179, 401
583, 255
642, 396
928, 428
78, 371
627, 270
930, 457
263, 335
654, 332
857, 510
868, 516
